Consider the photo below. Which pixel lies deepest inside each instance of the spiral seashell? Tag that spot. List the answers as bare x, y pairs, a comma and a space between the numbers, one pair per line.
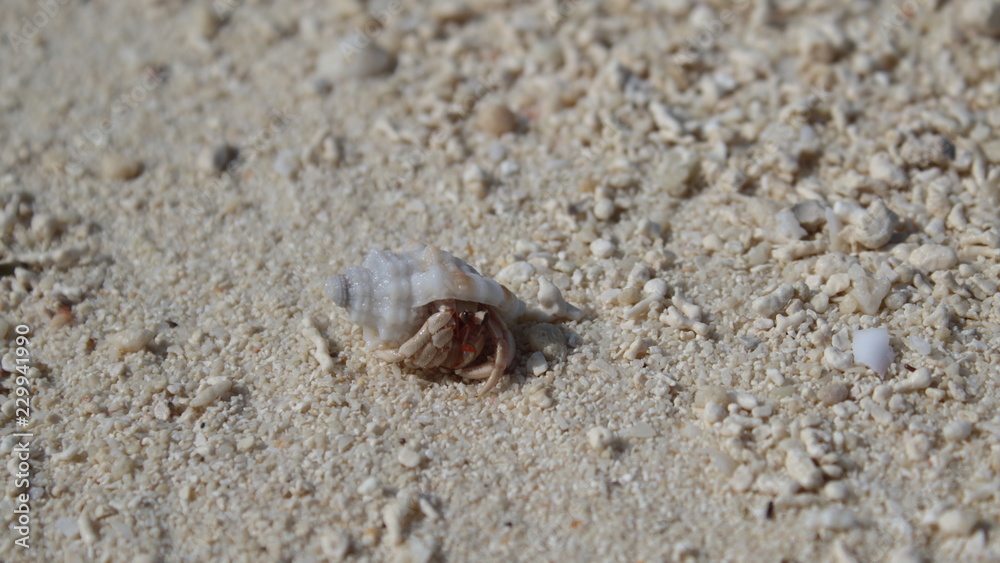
386, 295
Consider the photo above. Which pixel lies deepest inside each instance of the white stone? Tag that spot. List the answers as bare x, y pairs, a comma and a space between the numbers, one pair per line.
957, 430
552, 303
836, 490
933, 257
604, 208
211, 394
415, 550
88, 529
802, 469
916, 446
982, 16
599, 438
474, 177
536, 363
836, 518
868, 291
516, 273
788, 227
602, 248
837, 358
656, 287
638, 348
881, 167
68, 526
871, 348
369, 485
131, 340
875, 228
287, 163
958, 522
408, 457
768, 305
394, 516
713, 412
641, 429
917, 381
338, 63
919, 345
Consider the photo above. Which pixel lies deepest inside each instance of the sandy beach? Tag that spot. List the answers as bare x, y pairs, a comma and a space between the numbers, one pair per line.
758, 245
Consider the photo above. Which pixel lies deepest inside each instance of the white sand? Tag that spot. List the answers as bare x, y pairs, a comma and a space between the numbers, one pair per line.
195, 396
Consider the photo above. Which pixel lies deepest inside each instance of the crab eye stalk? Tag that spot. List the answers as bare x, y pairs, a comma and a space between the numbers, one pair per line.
464, 317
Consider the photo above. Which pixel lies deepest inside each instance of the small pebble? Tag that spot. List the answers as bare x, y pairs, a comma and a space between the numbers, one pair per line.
713, 412
476, 181
207, 21
118, 167
131, 340
416, 550
427, 509
871, 348
982, 16
215, 160
516, 274
958, 522
656, 287
369, 485
933, 257
211, 394
88, 530
919, 345
836, 490
836, 518
916, 381
678, 168
536, 363
451, 11
602, 248
957, 430
408, 457
788, 226
833, 393
869, 292
44, 227
496, 119
287, 163
881, 167
916, 446
604, 208
599, 438
802, 469
810, 214
768, 305
355, 61
641, 429
68, 526
876, 226
547, 339
395, 516
552, 303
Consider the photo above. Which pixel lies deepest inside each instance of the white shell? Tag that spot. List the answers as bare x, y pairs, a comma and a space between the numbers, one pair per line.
387, 293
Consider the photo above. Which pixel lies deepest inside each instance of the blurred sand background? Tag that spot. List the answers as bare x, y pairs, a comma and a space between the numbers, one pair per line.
728, 190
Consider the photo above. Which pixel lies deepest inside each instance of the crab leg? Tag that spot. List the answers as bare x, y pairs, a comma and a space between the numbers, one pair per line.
435, 332
502, 358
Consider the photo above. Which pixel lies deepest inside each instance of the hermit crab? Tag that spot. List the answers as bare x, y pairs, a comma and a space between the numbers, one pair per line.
428, 309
